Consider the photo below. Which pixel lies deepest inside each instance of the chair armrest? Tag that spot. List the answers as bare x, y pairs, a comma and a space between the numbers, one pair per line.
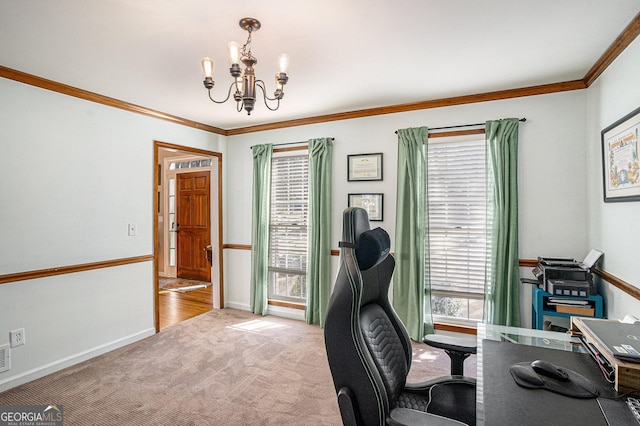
407, 417
347, 404
458, 350
424, 387
450, 343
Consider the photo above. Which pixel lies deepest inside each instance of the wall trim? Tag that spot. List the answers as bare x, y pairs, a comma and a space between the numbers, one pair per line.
415, 106
528, 263
455, 328
237, 246
628, 288
71, 269
64, 89
283, 304
617, 47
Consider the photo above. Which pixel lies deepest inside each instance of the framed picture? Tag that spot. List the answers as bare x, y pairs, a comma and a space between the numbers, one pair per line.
372, 203
620, 163
364, 167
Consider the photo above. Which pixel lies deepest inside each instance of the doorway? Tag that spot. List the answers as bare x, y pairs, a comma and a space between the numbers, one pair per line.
187, 232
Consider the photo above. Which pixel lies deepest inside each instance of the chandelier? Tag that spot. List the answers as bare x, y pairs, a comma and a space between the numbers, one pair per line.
245, 82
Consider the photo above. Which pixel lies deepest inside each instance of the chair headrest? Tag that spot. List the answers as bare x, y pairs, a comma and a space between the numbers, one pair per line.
372, 247
355, 222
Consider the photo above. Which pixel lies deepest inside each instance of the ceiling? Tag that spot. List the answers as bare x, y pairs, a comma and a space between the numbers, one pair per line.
345, 55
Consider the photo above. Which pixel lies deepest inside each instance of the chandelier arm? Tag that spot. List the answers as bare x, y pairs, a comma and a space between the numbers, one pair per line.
228, 94
260, 84
265, 97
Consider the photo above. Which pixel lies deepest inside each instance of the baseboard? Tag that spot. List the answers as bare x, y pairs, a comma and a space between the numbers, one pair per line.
280, 311
58, 365
277, 311
237, 305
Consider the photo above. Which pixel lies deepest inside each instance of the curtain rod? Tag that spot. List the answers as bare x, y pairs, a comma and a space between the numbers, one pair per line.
288, 143
463, 125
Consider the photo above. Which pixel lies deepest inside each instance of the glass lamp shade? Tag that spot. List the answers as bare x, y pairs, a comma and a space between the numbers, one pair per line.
207, 66
234, 52
283, 62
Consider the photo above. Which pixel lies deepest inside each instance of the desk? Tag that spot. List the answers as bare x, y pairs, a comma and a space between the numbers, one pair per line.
500, 401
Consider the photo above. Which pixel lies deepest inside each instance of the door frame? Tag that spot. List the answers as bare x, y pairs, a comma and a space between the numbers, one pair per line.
156, 241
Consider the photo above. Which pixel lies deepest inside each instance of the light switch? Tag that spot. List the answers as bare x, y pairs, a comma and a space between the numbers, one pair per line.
133, 229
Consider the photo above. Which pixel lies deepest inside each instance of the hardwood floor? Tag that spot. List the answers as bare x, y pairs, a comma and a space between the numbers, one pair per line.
175, 307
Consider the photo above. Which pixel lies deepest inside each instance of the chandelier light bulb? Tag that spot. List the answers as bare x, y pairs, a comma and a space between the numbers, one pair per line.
234, 52
283, 61
207, 67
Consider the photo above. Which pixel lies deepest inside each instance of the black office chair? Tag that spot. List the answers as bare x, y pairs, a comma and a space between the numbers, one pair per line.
369, 350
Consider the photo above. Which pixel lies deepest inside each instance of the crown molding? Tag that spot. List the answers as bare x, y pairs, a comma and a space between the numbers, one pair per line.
435, 103
628, 35
617, 47
64, 89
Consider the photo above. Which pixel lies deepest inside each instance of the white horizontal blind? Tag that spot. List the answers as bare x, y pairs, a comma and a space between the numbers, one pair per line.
288, 226
457, 243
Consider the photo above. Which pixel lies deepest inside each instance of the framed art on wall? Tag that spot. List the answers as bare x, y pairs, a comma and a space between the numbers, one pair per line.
372, 203
620, 163
364, 167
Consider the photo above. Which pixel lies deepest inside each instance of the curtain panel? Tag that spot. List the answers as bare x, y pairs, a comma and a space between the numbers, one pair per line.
261, 195
411, 289
319, 230
502, 292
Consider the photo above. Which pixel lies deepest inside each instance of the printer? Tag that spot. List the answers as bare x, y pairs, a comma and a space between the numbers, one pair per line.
567, 277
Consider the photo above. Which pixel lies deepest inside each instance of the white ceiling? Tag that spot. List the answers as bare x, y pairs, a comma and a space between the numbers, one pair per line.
345, 54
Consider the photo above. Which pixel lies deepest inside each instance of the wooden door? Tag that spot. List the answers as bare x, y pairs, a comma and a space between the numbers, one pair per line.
194, 225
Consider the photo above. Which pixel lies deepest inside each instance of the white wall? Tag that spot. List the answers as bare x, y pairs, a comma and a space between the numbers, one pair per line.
74, 174
614, 228
551, 175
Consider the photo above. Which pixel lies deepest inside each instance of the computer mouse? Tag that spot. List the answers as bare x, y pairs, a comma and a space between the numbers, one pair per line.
550, 370
525, 376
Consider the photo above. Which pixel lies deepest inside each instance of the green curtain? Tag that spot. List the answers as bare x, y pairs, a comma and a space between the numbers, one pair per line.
260, 227
319, 239
411, 290
502, 292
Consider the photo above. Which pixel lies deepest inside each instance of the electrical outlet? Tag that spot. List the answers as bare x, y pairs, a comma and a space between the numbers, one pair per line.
16, 337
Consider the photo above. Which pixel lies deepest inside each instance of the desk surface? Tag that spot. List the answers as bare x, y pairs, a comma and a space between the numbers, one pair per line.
500, 401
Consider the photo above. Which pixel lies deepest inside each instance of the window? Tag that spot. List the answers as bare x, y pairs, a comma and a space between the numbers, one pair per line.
458, 228
189, 164
288, 228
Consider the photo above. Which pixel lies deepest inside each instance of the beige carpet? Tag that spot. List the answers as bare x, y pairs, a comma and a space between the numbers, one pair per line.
226, 367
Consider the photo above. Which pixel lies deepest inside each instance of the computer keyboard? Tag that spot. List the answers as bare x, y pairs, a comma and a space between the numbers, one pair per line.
634, 406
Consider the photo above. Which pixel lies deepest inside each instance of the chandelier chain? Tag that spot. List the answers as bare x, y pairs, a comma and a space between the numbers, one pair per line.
244, 51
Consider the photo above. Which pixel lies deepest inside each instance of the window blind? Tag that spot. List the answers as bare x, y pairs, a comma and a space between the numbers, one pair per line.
456, 191
288, 224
